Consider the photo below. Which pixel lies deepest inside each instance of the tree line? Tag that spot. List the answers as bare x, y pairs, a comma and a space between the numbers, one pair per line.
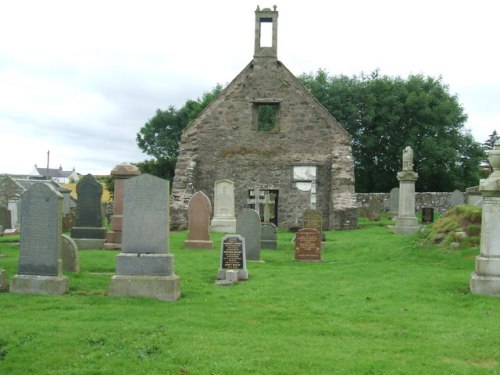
382, 114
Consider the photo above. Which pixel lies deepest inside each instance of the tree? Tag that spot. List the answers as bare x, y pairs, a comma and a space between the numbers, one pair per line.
160, 136
490, 142
385, 114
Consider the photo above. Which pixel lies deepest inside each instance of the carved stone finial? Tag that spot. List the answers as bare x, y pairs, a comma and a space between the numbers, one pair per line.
274, 7
258, 9
408, 159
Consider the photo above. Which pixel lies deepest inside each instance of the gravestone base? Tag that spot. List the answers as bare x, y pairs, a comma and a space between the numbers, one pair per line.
112, 246
137, 264
88, 232
114, 237
265, 244
198, 244
89, 243
223, 225
406, 225
222, 274
163, 288
485, 285
36, 284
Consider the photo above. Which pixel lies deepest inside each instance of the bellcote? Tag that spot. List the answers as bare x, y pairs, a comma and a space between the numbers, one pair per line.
266, 33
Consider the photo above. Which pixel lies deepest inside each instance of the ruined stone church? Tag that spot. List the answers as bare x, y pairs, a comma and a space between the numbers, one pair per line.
274, 140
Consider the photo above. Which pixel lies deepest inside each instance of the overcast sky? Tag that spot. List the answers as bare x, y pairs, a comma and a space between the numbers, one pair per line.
80, 78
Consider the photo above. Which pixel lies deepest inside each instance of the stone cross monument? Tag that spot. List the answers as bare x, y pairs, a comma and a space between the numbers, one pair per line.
486, 278
406, 221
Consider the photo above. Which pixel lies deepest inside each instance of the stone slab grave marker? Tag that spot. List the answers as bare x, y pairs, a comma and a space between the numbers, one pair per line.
3, 280
457, 198
374, 208
120, 174
485, 279
427, 215
308, 245
145, 268
88, 231
313, 219
199, 211
5, 221
232, 259
406, 221
40, 264
268, 236
224, 219
393, 203
248, 226
69, 254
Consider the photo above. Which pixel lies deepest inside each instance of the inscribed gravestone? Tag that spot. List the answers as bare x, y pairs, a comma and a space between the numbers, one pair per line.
457, 198
88, 231
145, 267
40, 264
393, 203
308, 245
248, 226
69, 254
313, 219
374, 208
268, 236
224, 218
199, 210
233, 257
5, 218
406, 221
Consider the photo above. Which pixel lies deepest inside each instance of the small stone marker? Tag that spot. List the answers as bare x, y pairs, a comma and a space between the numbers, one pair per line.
224, 219
40, 264
308, 245
233, 258
313, 219
427, 215
457, 198
248, 226
199, 211
145, 268
69, 254
10, 232
374, 210
88, 231
268, 236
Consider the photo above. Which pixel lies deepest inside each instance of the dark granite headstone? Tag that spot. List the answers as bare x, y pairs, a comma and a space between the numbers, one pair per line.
308, 245
5, 221
88, 220
268, 236
233, 257
40, 263
248, 226
199, 211
427, 215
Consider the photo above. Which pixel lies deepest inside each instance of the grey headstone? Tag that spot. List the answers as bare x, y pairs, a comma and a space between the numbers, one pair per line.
3, 280
41, 225
40, 263
457, 198
88, 220
393, 202
69, 254
268, 236
314, 220
224, 219
248, 226
374, 208
199, 211
145, 215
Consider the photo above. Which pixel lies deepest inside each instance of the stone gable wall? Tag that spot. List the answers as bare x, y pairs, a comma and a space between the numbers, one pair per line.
222, 143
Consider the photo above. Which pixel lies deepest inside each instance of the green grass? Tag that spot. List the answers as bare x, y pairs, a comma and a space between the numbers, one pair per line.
378, 304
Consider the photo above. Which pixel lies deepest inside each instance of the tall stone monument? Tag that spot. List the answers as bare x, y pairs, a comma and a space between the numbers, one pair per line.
199, 211
145, 268
406, 221
89, 232
40, 265
486, 278
224, 219
120, 173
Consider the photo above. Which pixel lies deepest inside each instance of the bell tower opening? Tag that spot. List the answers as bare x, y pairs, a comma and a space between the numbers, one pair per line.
266, 33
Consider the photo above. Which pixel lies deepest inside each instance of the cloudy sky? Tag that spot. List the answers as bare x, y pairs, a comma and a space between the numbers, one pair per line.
80, 78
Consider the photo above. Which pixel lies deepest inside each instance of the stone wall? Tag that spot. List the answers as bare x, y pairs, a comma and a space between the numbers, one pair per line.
439, 201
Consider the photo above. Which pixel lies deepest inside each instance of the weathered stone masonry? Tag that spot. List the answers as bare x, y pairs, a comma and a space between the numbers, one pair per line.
225, 142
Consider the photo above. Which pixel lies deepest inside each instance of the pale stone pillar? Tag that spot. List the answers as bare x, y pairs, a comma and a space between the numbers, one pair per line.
120, 174
406, 221
486, 278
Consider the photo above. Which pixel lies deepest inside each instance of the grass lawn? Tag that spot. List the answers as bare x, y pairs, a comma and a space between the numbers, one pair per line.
378, 304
